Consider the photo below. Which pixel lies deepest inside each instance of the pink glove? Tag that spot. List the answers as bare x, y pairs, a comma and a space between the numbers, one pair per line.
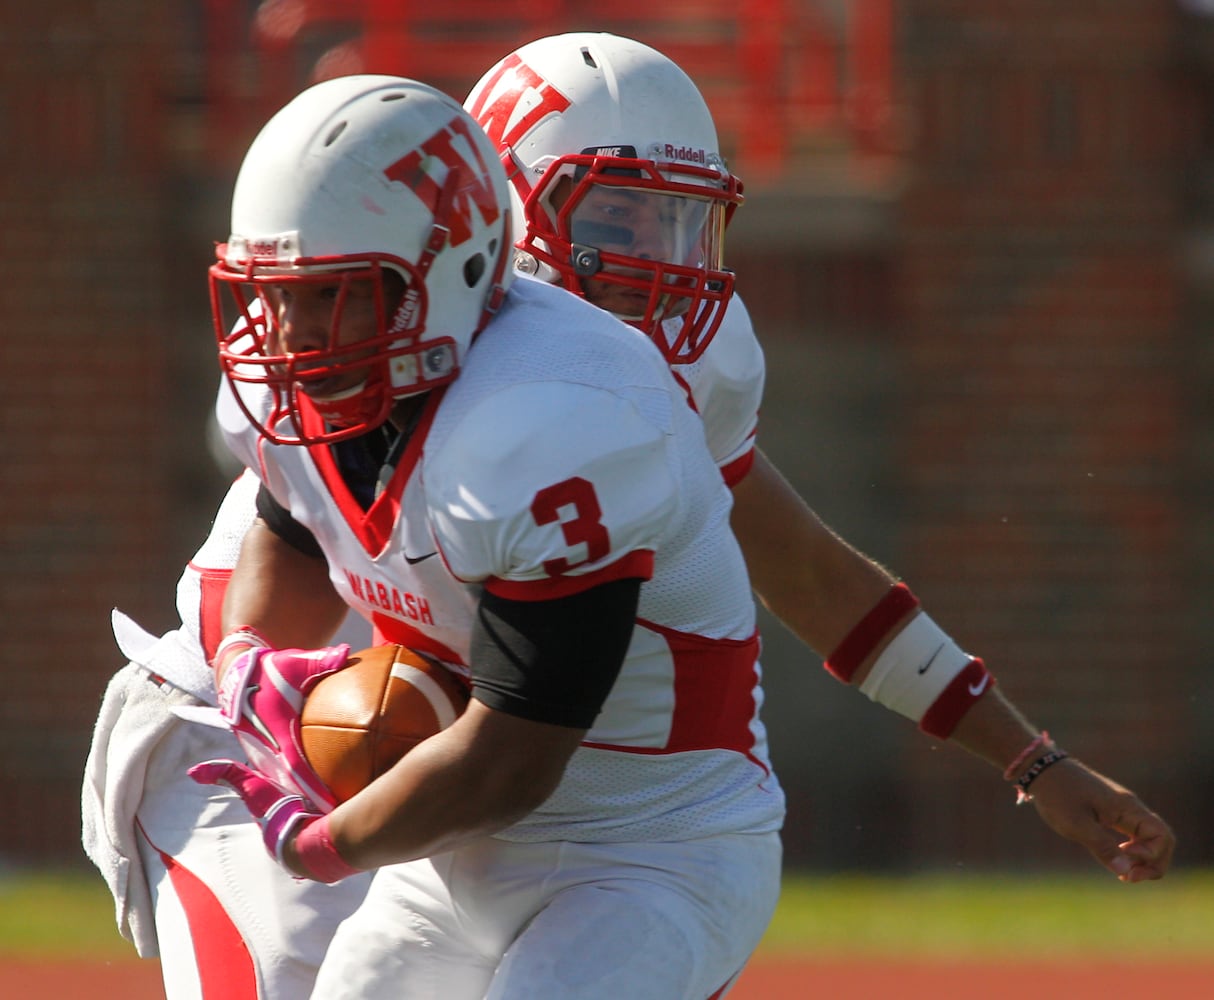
261, 696
282, 815
277, 810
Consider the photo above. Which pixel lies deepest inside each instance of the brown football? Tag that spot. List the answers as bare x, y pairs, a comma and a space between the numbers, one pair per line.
360, 721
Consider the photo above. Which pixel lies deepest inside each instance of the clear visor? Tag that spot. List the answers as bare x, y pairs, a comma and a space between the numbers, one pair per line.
651, 226
641, 239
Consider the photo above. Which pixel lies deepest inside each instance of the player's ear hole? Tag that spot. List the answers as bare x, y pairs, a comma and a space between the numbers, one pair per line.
474, 269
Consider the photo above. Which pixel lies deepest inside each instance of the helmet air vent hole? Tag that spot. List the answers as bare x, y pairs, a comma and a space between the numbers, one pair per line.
398, 96
588, 59
474, 268
337, 130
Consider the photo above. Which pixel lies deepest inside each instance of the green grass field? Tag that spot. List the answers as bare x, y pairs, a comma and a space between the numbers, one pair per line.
71, 914
997, 917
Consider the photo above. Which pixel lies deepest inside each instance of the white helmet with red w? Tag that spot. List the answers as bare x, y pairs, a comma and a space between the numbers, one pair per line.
379, 205
620, 191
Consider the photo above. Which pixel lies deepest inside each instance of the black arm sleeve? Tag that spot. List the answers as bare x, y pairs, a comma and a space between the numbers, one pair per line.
279, 520
553, 661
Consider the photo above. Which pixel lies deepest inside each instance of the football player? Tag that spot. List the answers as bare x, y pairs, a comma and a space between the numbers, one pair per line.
536, 573
647, 234
503, 476
621, 195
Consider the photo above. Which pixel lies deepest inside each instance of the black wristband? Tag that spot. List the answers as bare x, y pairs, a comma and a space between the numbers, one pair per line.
1040, 764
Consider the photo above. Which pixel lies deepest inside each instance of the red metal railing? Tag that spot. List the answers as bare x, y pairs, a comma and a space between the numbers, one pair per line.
779, 75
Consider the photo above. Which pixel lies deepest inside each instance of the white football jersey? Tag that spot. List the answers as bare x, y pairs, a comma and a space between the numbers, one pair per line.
201, 587
565, 455
726, 387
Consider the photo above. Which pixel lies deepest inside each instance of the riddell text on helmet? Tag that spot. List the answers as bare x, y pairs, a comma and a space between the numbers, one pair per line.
686, 154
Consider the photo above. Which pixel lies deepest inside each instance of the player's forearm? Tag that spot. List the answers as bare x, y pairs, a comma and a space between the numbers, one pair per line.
808, 577
874, 636
282, 593
995, 730
475, 778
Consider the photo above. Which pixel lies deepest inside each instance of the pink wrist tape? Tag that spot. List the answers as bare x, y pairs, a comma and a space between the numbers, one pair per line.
317, 855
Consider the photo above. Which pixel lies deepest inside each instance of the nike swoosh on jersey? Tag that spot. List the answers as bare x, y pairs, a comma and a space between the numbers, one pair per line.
414, 560
977, 689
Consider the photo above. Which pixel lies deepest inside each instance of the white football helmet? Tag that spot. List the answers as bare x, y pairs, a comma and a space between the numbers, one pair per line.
384, 198
619, 189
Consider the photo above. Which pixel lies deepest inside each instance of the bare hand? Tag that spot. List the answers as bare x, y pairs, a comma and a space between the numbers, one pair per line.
1121, 833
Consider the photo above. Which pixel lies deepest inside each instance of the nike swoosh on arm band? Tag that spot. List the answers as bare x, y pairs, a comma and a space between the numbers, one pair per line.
921, 673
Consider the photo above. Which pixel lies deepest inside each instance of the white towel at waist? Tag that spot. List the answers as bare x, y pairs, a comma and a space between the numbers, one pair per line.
175, 656
134, 717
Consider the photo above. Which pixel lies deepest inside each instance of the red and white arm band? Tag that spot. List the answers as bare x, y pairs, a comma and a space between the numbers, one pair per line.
871, 632
921, 673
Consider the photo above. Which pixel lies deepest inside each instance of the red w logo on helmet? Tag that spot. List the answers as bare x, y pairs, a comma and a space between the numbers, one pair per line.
511, 82
474, 190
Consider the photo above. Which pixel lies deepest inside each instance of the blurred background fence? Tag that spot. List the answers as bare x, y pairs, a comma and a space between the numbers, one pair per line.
978, 246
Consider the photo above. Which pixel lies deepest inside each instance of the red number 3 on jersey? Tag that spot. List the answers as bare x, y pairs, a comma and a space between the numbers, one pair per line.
584, 527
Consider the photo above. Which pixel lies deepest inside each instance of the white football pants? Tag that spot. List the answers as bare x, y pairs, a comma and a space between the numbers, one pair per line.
559, 921
231, 924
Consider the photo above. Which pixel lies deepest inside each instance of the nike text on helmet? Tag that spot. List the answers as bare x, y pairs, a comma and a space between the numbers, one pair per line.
381, 199
619, 189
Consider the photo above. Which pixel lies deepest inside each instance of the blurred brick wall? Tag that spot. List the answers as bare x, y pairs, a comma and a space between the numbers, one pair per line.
84, 508
980, 371
1043, 441
993, 379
